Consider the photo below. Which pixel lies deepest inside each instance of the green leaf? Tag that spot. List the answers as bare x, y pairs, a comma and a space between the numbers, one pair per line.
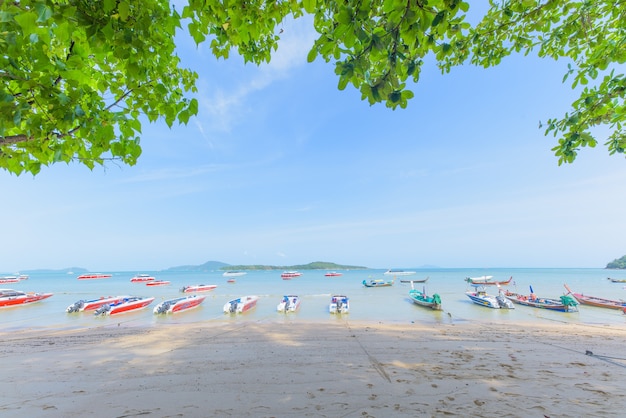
309, 5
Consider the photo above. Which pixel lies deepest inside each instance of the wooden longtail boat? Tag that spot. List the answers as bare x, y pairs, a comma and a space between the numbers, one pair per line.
486, 281
596, 301
565, 303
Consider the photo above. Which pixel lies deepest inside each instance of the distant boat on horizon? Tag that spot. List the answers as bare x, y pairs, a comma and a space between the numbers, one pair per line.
398, 272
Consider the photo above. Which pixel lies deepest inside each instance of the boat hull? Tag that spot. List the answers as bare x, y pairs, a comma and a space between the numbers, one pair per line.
540, 303
433, 302
339, 304
125, 306
198, 288
16, 298
240, 305
179, 304
290, 303
486, 281
92, 305
95, 276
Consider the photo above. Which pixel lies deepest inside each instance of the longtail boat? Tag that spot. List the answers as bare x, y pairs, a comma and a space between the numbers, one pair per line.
486, 281
596, 301
565, 303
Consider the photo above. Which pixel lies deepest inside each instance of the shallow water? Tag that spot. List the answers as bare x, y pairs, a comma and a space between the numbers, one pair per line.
385, 304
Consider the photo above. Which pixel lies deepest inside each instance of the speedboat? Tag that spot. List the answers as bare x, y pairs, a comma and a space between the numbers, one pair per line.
157, 283
179, 304
241, 305
91, 305
9, 279
93, 276
290, 303
142, 278
234, 273
10, 297
290, 275
480, 297
398, 272
129, 304
332, 274
339, 304
198, 288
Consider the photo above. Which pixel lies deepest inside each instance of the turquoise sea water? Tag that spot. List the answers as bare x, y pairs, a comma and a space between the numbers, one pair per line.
385, 304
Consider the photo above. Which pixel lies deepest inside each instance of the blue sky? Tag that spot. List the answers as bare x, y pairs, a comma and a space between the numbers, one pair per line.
281, 168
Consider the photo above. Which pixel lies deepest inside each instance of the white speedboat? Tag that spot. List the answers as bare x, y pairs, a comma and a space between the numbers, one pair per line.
241, 305
179, 304
130, 304
480, 297
289, 303
92, 305
234, 273
397, 272
339, 304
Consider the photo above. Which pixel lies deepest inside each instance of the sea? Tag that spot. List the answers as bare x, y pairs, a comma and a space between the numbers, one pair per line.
373, 304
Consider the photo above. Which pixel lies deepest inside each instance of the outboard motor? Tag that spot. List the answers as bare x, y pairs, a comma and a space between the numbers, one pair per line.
76, 306
102, 310
233, 307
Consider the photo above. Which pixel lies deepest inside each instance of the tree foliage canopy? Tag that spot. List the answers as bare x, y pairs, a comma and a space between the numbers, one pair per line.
79, 76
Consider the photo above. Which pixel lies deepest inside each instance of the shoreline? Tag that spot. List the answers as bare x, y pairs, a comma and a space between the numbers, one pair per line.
315, 368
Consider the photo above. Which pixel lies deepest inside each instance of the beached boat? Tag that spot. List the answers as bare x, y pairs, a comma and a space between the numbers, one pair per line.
422, 299
480, 297
487, 281
565, 303
10, 297
377, 283
241, 305
157, 283
142, 278
398, 272
234, 273
93, 276
596, 301
198, 288
92, 305
339, 304
616, 280
332, 274
286, 275
415, 280
179, 304
129, 304
289, 303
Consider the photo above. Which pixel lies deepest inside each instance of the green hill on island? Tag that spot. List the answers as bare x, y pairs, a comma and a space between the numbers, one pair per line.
217, 265
619, 263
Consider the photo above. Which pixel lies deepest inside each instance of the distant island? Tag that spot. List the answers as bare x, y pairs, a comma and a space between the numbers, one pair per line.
217, 265
619, 263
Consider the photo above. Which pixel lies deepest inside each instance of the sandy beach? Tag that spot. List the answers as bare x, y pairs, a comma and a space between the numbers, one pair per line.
317, 369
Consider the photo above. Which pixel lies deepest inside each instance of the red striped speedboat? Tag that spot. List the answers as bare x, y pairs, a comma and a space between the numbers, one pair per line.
142, 278
198, 288
179, 304
157, 283
129, 304
241, 305
290, 275
10, 297
93, 276
92, 305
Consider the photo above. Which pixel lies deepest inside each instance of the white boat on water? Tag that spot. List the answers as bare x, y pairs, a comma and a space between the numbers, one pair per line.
234, 273
179, 304
93, 304
289, 303
286, 275
339, 304
241, 305
398, 272
480, 297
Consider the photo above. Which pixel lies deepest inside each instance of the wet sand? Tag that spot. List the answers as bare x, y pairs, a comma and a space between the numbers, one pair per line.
316, 369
